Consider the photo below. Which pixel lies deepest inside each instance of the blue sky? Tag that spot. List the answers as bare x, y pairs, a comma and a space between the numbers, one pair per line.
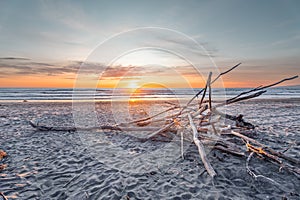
264, 35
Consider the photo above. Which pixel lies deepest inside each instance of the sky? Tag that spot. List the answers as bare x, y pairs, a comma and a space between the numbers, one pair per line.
135, 43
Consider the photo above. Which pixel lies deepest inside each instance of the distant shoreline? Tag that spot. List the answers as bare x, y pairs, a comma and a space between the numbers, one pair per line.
288, 99
99, 88
147, 94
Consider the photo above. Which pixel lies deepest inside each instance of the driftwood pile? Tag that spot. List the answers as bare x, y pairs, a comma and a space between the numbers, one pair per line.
199, 122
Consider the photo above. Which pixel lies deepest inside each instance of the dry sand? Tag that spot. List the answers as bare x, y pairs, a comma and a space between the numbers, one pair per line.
111, 165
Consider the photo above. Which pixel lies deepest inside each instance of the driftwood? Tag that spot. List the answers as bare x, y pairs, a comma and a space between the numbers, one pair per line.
3, 196
207, 131
263, 87
251, 173
239, 121
115, 128
3, 154
264, 147
198, 93
150, 117
204, 91
50, 128
201, 150
160, 130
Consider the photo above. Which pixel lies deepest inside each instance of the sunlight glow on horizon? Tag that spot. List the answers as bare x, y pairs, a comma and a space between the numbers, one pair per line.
131, 77
58, 83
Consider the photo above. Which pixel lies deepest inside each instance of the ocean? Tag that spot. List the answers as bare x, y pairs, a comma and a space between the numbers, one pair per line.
100, 94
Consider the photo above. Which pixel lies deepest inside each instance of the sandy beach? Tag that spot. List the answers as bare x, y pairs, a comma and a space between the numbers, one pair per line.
99, 165
150, 100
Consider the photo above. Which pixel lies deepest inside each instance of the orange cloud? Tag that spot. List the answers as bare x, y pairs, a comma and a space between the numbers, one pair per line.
33, 81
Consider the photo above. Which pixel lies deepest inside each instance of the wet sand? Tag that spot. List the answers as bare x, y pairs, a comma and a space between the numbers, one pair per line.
112, 165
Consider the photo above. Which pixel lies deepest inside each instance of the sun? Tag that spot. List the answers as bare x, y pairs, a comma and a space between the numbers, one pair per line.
132, 85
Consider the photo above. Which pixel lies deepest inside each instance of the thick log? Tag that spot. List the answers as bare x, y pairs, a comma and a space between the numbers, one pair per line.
116, 128
239, 121
201, 150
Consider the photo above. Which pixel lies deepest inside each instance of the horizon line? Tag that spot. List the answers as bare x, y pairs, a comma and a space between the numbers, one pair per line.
138, 88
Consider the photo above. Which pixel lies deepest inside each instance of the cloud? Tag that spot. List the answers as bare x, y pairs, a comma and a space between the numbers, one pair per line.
286, 41
255, 72
36, 68
252, 71
203, 49
150, 71
206, 51
10, 67
16, 68
14, 58
40, 64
